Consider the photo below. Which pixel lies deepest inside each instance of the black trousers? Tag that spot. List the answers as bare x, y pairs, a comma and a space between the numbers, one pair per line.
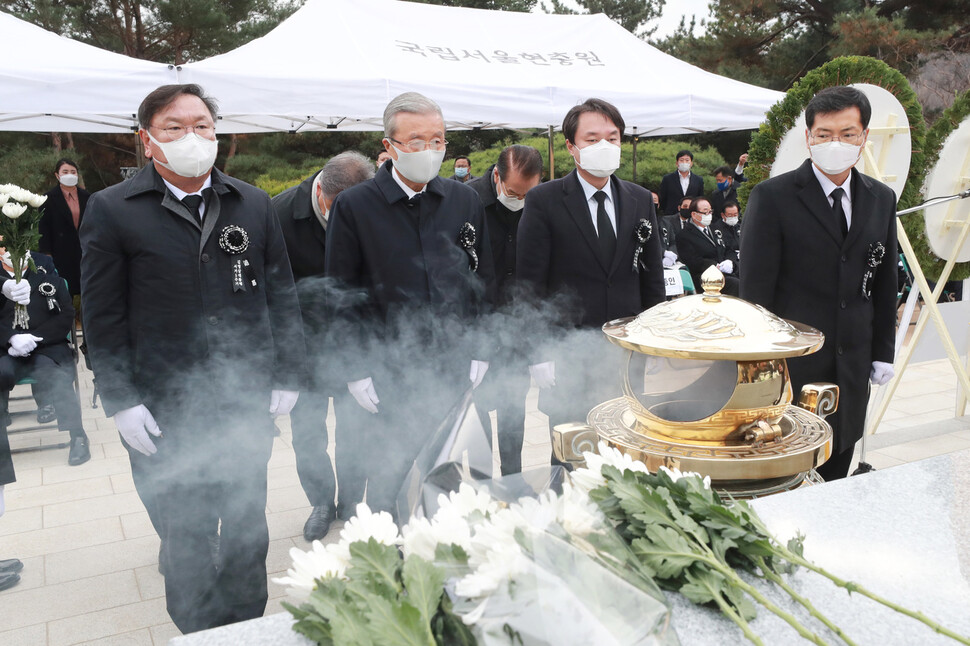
504, 390
190, 497
308, 421
58, 384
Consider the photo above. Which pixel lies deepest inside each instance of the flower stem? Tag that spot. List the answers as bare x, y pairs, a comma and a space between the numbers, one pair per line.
855, 587
745, 627
780, 581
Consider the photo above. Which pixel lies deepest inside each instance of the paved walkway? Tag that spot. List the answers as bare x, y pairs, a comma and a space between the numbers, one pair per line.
91, 557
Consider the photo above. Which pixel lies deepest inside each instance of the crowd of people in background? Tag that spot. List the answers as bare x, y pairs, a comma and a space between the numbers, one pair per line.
385, 293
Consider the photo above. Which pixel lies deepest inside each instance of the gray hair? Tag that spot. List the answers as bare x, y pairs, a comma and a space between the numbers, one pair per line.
412, 102
343, 171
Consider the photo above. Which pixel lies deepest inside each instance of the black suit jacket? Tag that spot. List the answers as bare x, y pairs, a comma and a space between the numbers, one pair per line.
673, 224
58, 237
671, 192
165, 326
503, 231
797, 265
558, 251
699, 252
730, 235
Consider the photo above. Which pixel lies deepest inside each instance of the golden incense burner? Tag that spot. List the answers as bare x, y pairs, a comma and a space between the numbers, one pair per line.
706, 389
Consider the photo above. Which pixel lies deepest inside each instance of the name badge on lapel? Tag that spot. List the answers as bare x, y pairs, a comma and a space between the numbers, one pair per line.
235, 241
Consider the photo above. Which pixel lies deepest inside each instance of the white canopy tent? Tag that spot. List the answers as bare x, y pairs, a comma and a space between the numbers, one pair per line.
335, 64
51, 83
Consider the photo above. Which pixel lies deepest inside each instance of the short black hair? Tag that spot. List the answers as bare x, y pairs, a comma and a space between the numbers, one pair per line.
463, 157
727, 171
837, 99
571, 121
524, 159
681, 153
64, 161
163, 96
730, 203
697, 200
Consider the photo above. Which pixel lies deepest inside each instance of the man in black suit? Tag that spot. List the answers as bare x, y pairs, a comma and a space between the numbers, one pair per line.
819, 247
726, 180
672, 225
194, 333
729, 224
413, 247
702, 247
682, 183
303, 212
502, 190
595, 240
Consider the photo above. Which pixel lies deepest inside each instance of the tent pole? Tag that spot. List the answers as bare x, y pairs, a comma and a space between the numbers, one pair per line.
636, 138
552, 157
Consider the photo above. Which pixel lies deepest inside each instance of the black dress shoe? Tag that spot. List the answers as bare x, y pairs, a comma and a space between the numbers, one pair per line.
46, 414
318, 524
10, 566
9, 580
79, 453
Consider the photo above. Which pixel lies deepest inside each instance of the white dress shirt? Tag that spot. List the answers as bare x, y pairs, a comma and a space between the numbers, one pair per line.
593, 205
828, 186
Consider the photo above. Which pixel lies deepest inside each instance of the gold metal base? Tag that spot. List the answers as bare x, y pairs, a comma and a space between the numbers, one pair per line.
805, 442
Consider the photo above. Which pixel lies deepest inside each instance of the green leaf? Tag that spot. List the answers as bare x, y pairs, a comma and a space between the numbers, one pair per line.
397, 624
741, 602
451, 553
448, 628
665, 551
315, 631
377, 564
702, 585
424, 584
337, 604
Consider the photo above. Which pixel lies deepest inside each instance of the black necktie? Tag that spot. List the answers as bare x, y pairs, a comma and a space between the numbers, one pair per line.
193, 202
604, 229
839, 212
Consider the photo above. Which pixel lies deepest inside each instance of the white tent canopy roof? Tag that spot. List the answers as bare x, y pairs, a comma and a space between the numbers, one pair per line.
335, 64
52, 83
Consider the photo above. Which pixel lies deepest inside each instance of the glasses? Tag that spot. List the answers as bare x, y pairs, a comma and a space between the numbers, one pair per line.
417, 145
177, 132
852, 138
708, 212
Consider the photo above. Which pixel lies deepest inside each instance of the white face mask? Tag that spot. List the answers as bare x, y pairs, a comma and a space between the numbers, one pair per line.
601, 159
683, 167
513, 204
68, 179
420, 167
190, 156
706, 219
835, 157
731, 221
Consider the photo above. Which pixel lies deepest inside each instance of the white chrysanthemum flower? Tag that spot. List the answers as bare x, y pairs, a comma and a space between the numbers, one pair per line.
465, 501
365, 526
450, 529
321, 562
497, 532
13, 211
8, 188
36, 201
536, 513
592, 476
418, 538
676, 474
20, 194
579, 515
504, 562
3, 198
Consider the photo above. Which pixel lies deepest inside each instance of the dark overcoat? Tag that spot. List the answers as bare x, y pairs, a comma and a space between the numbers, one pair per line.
51, 324
58, 237
671, 193
503, 231
797, 265
699, 252
165, 325
404, 256
730, 235
558, 251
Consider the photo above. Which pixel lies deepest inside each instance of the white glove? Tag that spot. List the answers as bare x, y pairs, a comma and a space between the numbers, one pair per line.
281, 402
669, 258
363, 391
477, 372
22, 344
544, 374
726, 267
134, 424
18, 292
881, 373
